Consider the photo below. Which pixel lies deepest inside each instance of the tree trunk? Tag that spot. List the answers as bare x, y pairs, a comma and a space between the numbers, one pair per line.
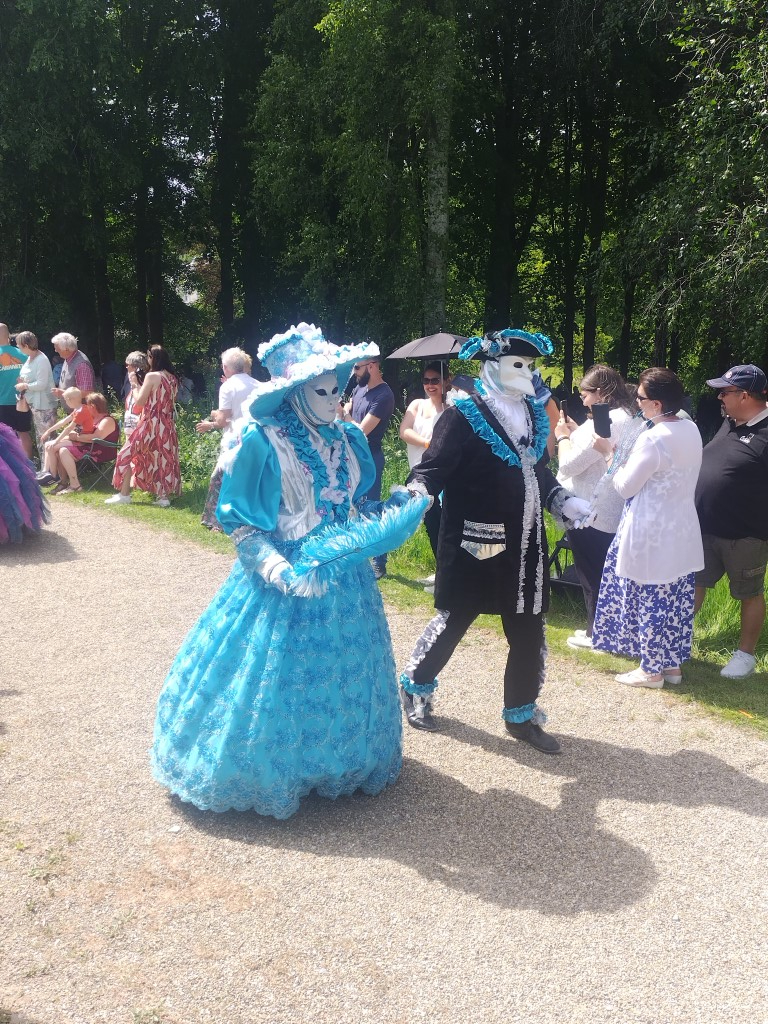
596, 161
674, 351
105, 317
625, 337
660, 338
438, 142
155, 282
436, 215
223, 210
140, 251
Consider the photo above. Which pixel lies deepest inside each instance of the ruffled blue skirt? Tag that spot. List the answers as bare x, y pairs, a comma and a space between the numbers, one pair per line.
273, 696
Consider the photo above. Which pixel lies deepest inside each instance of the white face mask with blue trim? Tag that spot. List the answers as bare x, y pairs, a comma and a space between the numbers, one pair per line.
508, 376
317, 400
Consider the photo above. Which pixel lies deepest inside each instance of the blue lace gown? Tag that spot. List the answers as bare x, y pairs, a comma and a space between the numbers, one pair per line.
272, 696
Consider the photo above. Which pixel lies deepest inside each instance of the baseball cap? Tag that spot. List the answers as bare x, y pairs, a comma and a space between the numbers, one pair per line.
747, 376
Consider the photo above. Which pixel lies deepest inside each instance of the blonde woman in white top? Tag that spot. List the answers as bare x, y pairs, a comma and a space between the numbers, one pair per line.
35, 384
416, 430
645, 608
583, 461
235, 393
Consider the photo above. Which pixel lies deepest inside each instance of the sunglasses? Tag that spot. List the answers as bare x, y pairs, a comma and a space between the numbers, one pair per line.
431, 380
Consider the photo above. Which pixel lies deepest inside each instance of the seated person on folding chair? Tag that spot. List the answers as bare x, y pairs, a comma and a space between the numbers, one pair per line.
99, 446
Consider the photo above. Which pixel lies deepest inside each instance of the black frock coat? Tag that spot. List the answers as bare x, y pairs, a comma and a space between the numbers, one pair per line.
478, 487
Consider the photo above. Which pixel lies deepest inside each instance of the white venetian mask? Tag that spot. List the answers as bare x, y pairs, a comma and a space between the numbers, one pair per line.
321, 397
510, 375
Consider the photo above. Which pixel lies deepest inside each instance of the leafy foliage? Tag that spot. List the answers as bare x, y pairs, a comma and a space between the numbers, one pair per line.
203, 172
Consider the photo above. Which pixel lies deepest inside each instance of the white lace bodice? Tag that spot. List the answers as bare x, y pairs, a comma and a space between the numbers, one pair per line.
297, 515
659, 536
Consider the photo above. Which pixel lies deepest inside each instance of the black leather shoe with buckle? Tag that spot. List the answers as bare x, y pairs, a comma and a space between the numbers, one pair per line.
531, 733
418, 711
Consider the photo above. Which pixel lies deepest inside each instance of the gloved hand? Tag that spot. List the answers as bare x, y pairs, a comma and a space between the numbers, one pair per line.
577, 510
277, 572
257, 554
400, 496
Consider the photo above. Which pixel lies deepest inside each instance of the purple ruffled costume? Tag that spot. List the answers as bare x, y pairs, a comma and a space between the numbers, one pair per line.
22, 505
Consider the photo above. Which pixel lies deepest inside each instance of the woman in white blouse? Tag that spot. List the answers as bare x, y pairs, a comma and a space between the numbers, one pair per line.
416, 429
584, 459
35, 383
645, 607
235, 393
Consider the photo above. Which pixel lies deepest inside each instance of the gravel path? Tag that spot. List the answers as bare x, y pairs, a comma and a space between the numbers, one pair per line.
624, 880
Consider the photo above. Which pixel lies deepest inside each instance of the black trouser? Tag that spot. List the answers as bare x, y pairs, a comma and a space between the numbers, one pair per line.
589, 547
432, 524
374, 494
524, 673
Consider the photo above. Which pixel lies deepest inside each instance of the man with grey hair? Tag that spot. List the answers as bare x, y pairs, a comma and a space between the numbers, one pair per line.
76, 371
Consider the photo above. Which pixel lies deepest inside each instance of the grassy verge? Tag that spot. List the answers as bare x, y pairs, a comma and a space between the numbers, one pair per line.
717, 628
181, 520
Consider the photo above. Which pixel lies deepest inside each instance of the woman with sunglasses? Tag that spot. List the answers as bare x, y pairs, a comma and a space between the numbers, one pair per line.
416, 430
645, 607
585, 462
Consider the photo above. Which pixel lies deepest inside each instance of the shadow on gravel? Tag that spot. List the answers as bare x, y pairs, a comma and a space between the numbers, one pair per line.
4, 730
43, 548
499, 845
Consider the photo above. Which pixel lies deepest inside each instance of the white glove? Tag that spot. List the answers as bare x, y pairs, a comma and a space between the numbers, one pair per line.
578, 511
277, 571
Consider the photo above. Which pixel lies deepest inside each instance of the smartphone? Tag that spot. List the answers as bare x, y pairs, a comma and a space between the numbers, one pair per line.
601, 419
564, 409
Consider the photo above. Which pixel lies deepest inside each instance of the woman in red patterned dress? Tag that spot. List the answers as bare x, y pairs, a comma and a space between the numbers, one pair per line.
149, 459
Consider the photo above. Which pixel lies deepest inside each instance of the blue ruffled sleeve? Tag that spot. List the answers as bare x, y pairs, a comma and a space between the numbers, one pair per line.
251, 487
359, 444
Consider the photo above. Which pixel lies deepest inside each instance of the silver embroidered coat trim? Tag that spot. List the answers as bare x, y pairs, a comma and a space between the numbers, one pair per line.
532, 517
484, 531
426, 641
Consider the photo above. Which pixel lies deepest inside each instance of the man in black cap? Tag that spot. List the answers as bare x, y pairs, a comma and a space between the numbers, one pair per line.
732, 503
488, 458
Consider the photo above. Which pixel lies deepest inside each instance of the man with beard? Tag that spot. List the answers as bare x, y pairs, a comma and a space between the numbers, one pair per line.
371, 407
488, 458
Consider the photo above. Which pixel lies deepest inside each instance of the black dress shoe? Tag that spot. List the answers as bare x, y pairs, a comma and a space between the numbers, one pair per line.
418, 712
531, 733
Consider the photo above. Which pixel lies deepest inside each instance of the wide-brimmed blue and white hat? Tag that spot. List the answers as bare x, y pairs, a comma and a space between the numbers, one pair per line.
299, 355
509, 342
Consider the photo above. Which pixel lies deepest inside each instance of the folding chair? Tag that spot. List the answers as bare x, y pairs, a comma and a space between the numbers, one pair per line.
97, 470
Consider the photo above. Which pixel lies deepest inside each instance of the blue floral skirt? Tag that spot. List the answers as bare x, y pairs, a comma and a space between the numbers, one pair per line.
649, 621
273, 696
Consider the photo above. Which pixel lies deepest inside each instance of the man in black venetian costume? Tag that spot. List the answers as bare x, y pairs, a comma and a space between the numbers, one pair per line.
488, 458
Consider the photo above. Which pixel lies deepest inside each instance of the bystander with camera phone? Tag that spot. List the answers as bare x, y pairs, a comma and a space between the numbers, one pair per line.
601, 420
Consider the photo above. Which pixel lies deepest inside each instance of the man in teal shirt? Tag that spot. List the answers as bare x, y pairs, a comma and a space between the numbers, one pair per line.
11, 362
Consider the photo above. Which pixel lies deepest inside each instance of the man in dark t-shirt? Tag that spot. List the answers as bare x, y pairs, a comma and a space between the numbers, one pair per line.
732, 503
371, 407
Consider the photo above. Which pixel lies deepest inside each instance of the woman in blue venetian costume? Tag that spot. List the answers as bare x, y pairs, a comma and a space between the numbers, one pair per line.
287, 683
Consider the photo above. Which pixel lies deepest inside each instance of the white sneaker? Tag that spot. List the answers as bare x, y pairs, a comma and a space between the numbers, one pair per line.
162, 502
118, 499
579, 632
580, 640
430, 589
428, 580
740, 666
